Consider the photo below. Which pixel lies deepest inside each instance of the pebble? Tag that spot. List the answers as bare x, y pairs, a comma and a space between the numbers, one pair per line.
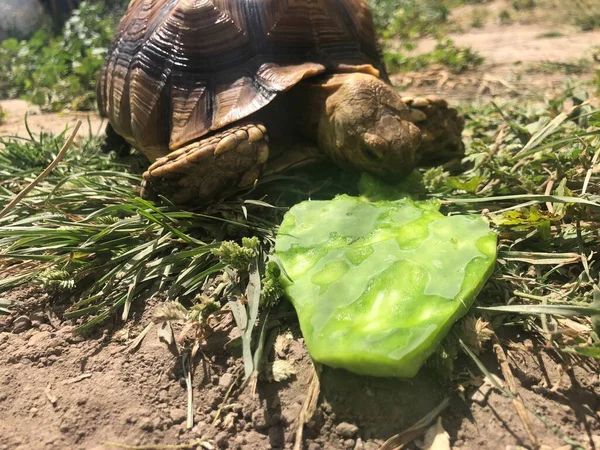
177, 415
226, 380
21, 324
146, 424
39, 338
480, 396
346, 430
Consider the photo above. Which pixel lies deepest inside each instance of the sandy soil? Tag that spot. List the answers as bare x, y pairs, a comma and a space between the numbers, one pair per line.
508, 45
58, 391
519, 62
20, 115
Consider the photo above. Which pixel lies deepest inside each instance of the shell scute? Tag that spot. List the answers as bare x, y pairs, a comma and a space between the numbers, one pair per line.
179, 69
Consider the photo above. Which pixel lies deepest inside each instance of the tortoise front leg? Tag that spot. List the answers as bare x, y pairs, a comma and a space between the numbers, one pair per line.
441, 128
198, 172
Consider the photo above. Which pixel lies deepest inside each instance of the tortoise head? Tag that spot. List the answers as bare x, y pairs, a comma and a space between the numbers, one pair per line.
366, 125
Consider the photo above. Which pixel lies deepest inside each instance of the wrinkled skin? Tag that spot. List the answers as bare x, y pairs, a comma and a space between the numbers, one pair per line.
365, 124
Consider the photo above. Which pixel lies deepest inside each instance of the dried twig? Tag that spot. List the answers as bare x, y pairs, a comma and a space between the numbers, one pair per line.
399, 440
50, 395
63, 151
227, 394
138, 340
187, 372
190, 445
512, 387
309, 406
81, 377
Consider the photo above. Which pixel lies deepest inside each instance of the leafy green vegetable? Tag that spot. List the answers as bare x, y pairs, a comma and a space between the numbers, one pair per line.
377, 285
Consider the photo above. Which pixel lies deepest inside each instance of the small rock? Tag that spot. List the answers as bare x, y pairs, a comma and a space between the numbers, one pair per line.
314, 446
346, 430
131, 419
21, 324
163, 396
177, 415
146, 424
144, 412
349, 444
359, 445
480, 396
64, 428
259, 419
226, 380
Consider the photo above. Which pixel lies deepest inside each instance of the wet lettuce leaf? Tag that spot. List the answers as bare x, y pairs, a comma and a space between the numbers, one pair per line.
378, 284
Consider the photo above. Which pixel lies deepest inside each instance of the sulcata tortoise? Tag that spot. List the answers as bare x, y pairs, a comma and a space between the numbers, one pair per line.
212, 91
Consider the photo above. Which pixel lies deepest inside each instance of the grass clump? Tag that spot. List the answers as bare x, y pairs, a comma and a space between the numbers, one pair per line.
59, 71
586, 14
401, 24
550, 35
409, 19
446, 53
572, 68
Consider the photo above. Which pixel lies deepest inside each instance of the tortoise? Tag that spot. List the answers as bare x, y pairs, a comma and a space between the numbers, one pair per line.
214, 91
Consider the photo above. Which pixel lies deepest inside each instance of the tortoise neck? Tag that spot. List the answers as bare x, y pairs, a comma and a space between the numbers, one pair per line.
295, 114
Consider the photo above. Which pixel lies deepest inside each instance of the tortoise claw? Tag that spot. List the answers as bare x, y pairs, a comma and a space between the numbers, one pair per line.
441, 127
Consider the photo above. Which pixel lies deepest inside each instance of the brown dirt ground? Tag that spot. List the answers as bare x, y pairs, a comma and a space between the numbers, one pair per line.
521, 60
58, 391
20, 115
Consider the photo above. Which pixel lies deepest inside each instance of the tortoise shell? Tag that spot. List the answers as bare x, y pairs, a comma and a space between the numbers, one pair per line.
179, 69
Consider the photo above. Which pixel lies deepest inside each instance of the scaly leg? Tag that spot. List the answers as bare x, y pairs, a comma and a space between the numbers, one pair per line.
441, 127
200, 171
